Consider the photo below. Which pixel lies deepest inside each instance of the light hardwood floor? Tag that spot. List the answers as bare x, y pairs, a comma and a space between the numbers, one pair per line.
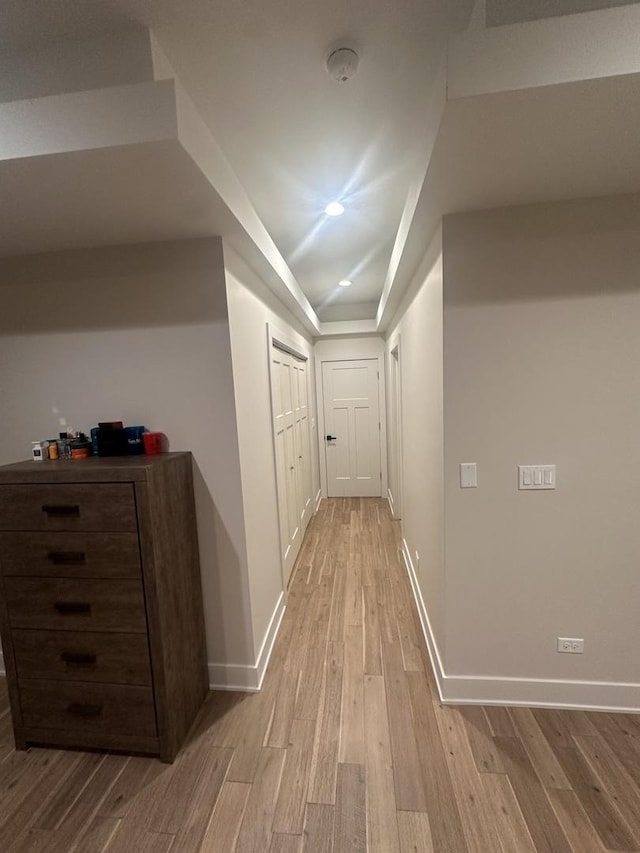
346, 748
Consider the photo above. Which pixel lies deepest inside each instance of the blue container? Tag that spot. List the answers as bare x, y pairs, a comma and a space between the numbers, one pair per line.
135, 443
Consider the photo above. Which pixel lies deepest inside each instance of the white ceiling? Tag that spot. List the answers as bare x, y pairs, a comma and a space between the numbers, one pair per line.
556, 142
501, 12
552, 143
93, 198
296, 139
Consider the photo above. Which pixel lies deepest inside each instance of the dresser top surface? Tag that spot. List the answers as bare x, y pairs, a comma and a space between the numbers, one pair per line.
95, 469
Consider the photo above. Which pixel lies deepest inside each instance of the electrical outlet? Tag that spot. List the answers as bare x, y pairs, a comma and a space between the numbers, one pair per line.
570, 645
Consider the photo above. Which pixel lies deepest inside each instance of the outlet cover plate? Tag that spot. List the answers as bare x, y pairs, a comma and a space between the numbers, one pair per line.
468, 475
570, 645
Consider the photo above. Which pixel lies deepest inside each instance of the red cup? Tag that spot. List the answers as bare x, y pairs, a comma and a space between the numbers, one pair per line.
152, 442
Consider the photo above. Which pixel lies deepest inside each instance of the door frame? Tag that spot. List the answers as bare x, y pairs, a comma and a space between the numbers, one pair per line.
395, 428
382, 414
279, 339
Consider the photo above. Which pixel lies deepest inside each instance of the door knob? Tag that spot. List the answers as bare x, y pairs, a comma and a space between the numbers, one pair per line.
331, 437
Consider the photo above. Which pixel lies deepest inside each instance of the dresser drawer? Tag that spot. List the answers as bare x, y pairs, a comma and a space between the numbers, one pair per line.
71, 555
98, 507
75, 604
78, 706
82, 656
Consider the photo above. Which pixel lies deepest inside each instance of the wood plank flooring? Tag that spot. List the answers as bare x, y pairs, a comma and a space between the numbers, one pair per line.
345, 750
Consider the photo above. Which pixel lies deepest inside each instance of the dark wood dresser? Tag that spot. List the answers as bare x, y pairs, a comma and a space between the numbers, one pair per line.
101, 612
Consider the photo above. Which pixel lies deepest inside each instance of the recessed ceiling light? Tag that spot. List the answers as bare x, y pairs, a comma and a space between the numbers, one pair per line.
345, 283
334, 208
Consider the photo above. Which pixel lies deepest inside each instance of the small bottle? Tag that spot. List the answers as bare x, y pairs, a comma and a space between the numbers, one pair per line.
37, 451
53, 449
64, 449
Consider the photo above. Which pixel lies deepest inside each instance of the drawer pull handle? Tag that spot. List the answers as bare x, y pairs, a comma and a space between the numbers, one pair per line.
82, 709
78, 658
61, 510
65, 607
67, 558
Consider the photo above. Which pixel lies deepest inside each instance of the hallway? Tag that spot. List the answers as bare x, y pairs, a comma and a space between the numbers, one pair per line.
346, 748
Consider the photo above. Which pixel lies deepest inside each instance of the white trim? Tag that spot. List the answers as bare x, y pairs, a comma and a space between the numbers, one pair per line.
318, 499
542, 693
394, 402
390, 502
322, 450
529, 692
432, 646
349, 327
229, 676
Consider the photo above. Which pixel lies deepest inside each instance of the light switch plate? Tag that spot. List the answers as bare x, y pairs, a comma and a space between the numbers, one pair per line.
468, 475
536, 477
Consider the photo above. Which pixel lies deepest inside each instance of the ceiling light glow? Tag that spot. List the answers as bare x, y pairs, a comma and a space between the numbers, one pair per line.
345, 283
334, 208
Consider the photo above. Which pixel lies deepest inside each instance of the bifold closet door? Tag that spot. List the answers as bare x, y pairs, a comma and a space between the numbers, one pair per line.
291, 435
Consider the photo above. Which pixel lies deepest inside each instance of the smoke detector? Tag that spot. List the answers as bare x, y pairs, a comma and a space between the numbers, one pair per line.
342, 64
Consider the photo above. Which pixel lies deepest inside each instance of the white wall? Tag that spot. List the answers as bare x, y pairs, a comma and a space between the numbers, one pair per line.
138, 333
541, 356
348, 347
251, 307
418, 330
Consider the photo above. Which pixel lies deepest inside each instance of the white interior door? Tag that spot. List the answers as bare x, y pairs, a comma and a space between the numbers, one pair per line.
352, 428
289, 396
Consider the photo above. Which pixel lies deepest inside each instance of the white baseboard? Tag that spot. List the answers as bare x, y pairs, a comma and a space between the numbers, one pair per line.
530, 692
542, 693
392, 507
246, 677
430, 640
318, 499
226, 676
